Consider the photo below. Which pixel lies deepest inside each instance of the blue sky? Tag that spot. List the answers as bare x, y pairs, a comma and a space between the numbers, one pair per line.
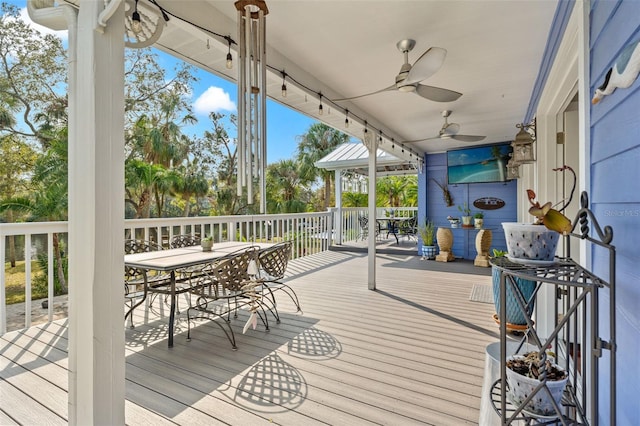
212, 93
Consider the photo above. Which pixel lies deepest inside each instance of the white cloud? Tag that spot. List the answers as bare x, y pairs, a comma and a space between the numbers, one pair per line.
214, 99
24, 16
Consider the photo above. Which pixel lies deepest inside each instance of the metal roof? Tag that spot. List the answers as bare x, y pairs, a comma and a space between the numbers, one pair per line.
354, 158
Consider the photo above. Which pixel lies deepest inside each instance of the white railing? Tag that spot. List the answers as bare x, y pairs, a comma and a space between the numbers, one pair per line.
350, 225
307, 231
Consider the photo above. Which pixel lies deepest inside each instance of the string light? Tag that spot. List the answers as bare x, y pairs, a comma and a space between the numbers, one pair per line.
320, 111
136, 25
346, 118
229, 57
284, 86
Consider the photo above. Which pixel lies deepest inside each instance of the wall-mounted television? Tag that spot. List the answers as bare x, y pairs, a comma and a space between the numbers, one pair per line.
478, 164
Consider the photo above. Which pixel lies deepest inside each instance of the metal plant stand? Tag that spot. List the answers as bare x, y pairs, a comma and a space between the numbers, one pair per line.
576, 338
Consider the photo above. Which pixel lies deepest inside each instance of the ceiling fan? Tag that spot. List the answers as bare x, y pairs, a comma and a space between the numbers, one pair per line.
450, 131
410, 76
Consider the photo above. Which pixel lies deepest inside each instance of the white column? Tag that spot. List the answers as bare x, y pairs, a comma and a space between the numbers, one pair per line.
96, 222
372, 145
338, 222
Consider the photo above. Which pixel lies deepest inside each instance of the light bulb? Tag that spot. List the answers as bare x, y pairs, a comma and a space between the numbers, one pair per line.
136, 25
320, 110
284, 90
229, 61
346, 123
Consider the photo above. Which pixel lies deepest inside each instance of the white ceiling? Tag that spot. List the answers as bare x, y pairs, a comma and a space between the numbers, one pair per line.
347, 48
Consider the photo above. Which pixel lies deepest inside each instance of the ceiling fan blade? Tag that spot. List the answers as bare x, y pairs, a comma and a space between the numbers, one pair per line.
422, 140
437, 94
386, 89
426, 65
467, 138
451, 129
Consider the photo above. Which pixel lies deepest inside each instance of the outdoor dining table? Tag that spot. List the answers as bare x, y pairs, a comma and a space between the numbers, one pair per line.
173, 260
393, 224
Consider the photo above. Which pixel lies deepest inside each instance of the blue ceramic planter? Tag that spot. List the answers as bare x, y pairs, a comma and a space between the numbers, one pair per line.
514, 313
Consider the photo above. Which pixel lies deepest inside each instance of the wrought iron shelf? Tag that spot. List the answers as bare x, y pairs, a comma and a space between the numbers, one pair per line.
574, 333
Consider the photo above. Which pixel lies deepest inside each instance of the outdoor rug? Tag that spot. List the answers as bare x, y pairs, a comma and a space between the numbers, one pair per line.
481, 293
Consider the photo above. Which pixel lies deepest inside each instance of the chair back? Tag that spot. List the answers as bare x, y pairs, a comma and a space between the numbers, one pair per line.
363, 221
179, 241
273, 261
137, 246
231, 272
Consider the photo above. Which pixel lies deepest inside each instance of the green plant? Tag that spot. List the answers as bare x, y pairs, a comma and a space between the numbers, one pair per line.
499, 253
547, 214
427, 232
207, 238
465, 209
479, 215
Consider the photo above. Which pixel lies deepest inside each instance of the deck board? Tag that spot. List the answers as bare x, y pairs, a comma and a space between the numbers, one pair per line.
411, 352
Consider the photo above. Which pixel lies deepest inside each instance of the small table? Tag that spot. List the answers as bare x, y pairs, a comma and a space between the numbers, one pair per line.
175, 259
394, 223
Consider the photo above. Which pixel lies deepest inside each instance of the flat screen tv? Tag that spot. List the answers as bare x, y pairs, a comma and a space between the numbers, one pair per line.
479, 164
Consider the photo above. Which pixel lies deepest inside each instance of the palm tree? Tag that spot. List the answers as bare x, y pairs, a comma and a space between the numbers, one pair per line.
390, 190
284, 186
190, 184
48, 199
319, 141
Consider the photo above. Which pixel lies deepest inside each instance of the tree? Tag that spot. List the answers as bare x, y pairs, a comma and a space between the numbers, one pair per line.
18, 160
390, 190
285, 185
319, 141
32, 79
47, 200
355, 199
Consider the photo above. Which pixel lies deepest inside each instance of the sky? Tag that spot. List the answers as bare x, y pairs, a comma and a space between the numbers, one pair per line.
214, 94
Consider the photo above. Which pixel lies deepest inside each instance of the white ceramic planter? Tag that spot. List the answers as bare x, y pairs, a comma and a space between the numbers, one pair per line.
527, 242
521, 386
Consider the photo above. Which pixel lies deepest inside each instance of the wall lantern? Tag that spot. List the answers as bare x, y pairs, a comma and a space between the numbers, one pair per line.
513, 169
523, 143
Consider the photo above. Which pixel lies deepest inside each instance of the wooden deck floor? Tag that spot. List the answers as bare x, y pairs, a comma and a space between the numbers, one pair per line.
411, 352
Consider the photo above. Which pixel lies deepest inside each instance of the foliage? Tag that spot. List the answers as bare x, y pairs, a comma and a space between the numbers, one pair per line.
41, 282
547, 214
285, 187
499, 253
32, 77
15, 279
355, 199
465, 209
390, 190
427, 232
479, 215
319, 141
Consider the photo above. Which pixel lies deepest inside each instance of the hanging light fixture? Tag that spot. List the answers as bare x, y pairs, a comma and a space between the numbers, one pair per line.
136, 24
284, 85
346, 118
252, 97
523, 144
229, 57
320, 111
513, 169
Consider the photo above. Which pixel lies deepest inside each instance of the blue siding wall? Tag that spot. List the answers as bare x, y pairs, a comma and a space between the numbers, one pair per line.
615, 177
464, 244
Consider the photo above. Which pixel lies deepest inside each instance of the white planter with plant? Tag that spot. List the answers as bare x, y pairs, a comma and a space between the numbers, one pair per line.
466, 215
207, 243
536, 243
524, 374
427, 234
478, 220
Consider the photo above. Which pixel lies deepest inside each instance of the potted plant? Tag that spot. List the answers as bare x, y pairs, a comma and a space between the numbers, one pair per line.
515, 317
536, 243
453, 221
478, 220
466, 215
524, 374
427, 233
207, 243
